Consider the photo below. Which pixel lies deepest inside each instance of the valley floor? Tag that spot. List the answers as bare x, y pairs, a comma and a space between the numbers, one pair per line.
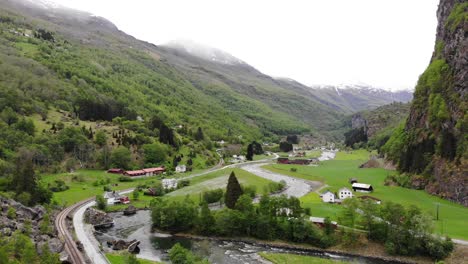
336, 174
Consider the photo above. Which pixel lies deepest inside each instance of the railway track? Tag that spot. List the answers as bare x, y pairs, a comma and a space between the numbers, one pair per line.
74, 253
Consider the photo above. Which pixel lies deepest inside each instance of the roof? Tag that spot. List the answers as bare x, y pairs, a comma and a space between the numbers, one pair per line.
320, 220
108, 195
344, 188
158, 169
135, 172
326, 193
361, 185
369, 197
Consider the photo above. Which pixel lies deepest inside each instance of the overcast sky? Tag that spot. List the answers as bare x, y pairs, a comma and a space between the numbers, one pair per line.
384, 43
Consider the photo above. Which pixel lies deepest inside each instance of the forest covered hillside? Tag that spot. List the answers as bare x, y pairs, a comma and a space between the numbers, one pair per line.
431, 147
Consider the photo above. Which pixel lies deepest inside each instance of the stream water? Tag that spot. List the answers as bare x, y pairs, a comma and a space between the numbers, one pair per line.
154, 246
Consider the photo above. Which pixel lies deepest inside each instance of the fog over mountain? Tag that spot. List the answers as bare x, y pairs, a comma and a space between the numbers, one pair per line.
310, 41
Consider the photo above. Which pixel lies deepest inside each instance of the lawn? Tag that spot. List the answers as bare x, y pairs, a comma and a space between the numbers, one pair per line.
115, 258
216, 180
282, 258
335, 174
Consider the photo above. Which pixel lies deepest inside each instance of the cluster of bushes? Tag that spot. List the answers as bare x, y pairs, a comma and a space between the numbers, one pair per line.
274, 218
58, 186
180, 255
403, 230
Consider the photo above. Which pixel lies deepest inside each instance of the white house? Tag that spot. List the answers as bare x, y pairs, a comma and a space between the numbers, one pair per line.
112, 197
344, 193
169, 183
328, 197
180, 168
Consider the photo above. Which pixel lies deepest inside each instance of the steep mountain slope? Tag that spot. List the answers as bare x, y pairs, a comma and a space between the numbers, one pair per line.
379, 119
86, 61
434, 140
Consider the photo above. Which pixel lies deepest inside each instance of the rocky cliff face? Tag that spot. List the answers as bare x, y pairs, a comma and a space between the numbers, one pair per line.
435, 137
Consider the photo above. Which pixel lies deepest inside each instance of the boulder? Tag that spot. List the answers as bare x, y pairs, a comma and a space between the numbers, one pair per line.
96, 217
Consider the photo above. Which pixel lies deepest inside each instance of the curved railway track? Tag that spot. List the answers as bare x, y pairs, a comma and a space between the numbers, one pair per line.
75, 255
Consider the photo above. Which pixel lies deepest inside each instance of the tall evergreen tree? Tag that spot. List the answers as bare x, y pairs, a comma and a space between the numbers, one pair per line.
250, 152
233, 191
199, 136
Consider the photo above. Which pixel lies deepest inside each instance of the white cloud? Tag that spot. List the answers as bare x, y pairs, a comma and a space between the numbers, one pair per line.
385, 43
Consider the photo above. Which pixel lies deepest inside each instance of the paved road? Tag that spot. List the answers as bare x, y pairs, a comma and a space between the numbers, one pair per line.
85, 235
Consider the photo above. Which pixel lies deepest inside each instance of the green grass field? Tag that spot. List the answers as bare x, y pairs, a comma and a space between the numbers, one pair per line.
216, 180
115, 258
335, 174
282, 258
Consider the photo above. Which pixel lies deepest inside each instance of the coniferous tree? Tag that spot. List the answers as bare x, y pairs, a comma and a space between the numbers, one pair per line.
199, 136
250, 152
233, 191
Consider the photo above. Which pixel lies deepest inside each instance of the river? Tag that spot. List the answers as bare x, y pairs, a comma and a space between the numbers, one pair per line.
154, 246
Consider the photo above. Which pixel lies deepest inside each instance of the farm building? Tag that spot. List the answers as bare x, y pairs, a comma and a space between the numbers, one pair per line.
344, 193
320, 221
362, 187
370, 198
169, 183
145, 172
115, 171
328, 197
181, 168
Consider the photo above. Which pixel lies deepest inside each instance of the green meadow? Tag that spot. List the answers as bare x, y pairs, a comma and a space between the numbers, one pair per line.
336, 173
282, 258
219, 179
116, 258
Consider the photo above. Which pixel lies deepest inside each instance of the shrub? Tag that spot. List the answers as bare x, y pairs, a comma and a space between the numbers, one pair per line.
101, 202
125, 179
213, 196
11, 213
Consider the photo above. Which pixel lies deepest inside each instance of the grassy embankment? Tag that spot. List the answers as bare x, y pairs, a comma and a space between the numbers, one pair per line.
335, 174
116, 258
282, 258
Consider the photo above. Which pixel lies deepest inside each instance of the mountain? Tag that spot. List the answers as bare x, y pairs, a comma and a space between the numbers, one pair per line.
87, 61
432, 146
354, 98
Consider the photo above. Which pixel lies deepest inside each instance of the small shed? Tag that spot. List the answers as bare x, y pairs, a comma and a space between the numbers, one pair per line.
320, 221
353, 180
181, 168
